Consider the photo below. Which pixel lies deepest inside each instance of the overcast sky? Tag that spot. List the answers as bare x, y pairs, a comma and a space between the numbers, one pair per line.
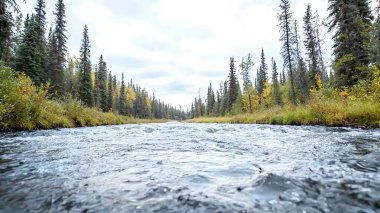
175, 47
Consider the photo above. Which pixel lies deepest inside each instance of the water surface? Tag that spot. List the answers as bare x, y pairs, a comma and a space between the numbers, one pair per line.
177, 167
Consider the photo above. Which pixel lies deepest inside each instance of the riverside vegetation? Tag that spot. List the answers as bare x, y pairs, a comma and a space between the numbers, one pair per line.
42, 87
304, 93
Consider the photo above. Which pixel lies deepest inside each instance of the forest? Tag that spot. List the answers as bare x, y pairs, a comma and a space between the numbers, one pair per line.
304, 92
42, 86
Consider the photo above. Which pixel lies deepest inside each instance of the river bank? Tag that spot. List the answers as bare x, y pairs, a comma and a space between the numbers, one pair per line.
363, 114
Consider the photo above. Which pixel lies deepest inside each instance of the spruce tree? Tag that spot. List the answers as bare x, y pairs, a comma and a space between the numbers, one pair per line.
263, 71
351, 22
57, 59
30, 55
287, 38
310, 42
6, 24
109, 93
233, 85
301, 72
122, 98
102, 84
210, 100
276, 85
85, 84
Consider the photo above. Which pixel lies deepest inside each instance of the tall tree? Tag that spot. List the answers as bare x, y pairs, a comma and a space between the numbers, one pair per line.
122, 98
30, 56
287, 38
276, 85
102, 84
262, 78
85, 88
310, 41
233, 85
110, 93
6, 24
301, 72
57, 67
351, 22
210, 100
246, 67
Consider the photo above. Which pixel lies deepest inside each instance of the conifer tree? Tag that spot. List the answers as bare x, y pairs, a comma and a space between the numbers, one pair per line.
110, 93
210, 100
101, 84
276, 85
351, 20
122, 98
85, 86
29, 55
310, 42
262, 75
233, 85
6, 24
57, 49
302, 82
287, 38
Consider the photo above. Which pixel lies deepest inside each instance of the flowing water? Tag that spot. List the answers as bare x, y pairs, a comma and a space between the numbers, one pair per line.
179, 167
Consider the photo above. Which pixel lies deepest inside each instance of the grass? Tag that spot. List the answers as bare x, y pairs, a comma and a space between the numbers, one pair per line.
25, 107
365, 114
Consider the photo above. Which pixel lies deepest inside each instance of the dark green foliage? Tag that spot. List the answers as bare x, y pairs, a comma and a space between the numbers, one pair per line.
301, 75
276, 85
210, 100
233, 85
57, 49
6, 24
122, 98
110, 93
351, 22
101, 84
85, 83
262, 77
287, 38
31, 54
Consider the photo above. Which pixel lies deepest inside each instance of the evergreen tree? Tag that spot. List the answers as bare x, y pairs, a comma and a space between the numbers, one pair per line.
30, 55
351, 21
210, 100
110, 93
377, 37
6, 24
262, 77
310, 43
276, 85
287, 38
102, 81
85, 87
301, 74
57, 49
122, 100
233, 85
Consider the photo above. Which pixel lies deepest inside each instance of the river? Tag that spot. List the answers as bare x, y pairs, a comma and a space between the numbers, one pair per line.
181, 167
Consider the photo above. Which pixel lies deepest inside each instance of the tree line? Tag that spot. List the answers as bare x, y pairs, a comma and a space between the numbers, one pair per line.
25, 48
356, 50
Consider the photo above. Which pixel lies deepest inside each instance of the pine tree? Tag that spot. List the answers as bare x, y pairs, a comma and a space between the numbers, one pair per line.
85, 88
302, 82
287, 38
30, 55
233, 85
210, 100
6, 24
310, 42
110, 93
101, 84
351, 21
57, 58
122, 99
262, 75
276, 85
